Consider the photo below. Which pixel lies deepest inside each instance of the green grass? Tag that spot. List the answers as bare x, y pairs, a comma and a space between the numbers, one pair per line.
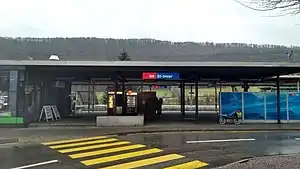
164, 93
99, 96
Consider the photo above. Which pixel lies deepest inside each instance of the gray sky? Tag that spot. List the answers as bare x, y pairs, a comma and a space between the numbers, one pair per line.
174, 20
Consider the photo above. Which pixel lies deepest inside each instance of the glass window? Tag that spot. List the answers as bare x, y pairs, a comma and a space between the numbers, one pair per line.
4, 90
8, 93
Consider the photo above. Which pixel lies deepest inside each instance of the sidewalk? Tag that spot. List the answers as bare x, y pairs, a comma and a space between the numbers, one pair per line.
273, 162
40, 134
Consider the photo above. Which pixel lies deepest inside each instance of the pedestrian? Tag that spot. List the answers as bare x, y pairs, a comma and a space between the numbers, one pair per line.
160, 103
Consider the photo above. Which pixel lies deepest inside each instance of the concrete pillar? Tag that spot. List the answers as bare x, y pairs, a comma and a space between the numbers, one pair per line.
278, 100
124, 98
141, 100
219, 96
182, 98
93, 88
115, 94
196, 98
216, 97
191, 95
89, 96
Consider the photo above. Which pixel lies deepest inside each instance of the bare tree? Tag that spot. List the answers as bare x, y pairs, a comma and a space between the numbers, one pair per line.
285, 7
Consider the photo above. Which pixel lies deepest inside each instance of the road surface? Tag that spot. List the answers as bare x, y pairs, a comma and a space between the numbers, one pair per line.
157, 150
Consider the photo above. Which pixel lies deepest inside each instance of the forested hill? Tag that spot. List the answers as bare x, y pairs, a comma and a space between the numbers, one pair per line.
139, 49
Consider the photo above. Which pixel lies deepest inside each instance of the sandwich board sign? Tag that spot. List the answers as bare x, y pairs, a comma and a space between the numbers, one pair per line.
47, 113
55, 112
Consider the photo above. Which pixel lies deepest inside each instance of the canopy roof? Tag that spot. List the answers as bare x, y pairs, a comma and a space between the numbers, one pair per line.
134, 69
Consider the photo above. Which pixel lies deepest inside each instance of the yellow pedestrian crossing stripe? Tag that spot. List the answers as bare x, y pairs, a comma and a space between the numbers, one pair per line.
145, 162
111, 150
103, 150
120, 156
189, 165
83, 143
92, 147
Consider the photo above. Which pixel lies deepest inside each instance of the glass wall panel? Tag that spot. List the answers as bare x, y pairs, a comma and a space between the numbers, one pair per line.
4, 93
8, 93
254, 106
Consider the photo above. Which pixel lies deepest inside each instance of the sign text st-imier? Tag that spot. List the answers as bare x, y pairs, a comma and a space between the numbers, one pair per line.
160, 76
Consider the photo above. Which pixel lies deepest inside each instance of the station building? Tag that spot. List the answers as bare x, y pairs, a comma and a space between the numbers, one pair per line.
28, 85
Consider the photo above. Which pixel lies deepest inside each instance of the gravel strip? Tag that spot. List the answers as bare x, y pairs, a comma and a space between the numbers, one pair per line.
270, 162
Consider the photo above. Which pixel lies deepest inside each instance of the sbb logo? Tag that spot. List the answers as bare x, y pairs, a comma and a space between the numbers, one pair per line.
149, 75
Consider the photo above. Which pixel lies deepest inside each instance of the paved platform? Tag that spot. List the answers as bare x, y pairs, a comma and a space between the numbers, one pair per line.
168, 117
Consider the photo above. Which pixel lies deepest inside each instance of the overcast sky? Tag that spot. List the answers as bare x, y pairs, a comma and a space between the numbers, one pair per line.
174, 20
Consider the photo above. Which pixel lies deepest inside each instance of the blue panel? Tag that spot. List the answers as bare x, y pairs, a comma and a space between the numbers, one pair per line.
254, 108
230, 102
271, 105
294, 106
167, 75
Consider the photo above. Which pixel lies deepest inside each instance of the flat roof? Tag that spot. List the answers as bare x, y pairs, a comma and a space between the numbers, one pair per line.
132, 69
146, 64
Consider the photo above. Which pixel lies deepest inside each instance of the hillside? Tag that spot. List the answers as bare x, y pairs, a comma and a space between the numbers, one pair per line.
139, 50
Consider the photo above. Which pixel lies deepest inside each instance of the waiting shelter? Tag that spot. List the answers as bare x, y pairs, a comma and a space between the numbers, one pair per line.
31, 84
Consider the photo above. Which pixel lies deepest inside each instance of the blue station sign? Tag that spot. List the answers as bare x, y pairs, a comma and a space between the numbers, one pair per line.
167, 75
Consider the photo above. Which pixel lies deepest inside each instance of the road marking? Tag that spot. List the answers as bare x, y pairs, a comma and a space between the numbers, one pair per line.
145, 162
247, 131
111, 150
36, 164
190, 165
297, 138
73, 140
69, 150
106, 146
215, 141
120, 156
83, 143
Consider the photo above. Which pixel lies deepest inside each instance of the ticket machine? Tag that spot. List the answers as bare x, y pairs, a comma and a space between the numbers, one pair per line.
112, 100
118, 100
131, 98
